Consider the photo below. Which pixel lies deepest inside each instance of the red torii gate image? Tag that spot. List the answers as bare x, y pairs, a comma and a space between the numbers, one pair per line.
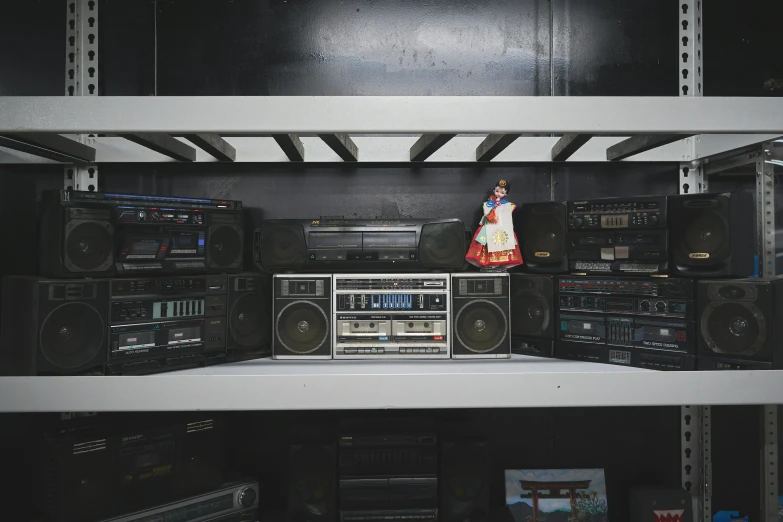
555, 489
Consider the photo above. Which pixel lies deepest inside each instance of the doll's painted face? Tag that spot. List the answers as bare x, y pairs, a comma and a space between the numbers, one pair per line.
500, 192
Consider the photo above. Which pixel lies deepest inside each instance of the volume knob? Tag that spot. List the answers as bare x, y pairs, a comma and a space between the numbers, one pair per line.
247, 497
652, 220
578, 222
660, 306
644, 306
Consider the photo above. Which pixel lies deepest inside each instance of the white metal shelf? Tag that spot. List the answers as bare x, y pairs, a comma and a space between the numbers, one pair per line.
252, 115
522, 382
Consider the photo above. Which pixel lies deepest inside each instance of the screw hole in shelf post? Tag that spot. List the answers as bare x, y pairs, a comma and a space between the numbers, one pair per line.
684, 8
684, 57
91, 21
685, 41
685, 90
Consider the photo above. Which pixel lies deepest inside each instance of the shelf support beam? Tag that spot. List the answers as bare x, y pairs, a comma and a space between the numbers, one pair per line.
769, 463
291, 145
213, 145
696, 458
427, 145
641, 143
50, 146
163, 144
343, 145
493, 145
568, 145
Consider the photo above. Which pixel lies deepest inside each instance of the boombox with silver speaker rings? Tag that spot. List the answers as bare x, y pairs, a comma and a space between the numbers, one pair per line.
391, 316
90, 234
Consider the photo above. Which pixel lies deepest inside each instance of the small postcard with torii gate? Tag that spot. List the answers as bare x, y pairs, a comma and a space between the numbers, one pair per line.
556, 495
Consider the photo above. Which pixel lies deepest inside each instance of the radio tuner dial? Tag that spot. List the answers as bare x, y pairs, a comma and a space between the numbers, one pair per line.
660, 306
652, 220
644, 306
247, 497
578, 222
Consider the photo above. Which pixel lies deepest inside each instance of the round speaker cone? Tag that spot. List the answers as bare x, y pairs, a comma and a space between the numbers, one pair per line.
282, 246
71, 335
247, 322
88, 246
302, 327
734, 328
707, 233
530, 313
225, 246
481, 326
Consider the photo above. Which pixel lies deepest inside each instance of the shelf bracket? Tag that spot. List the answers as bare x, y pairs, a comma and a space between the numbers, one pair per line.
51, 146
427, 145
163, 144
765, 209
493, 145
696, 458
692, 178
213, 145
291, 145
343, 145
769, 464
81, 79
641, 143
567, 145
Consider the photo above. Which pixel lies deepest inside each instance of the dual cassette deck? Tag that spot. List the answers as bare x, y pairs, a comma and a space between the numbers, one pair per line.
386, 316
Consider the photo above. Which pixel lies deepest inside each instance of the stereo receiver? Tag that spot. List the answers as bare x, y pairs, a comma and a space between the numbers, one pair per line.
645, 212
392, 316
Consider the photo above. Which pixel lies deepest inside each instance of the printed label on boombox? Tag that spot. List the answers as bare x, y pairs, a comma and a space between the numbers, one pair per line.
636, 357
657, 334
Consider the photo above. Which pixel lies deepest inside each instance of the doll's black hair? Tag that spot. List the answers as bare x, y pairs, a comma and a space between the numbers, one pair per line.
502, 183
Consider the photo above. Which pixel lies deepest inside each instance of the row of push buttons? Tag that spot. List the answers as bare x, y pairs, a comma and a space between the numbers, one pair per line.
350, 351
419, 350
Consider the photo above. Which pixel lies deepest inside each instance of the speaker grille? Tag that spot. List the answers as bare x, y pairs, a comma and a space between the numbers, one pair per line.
302, 327
249, 320
72, 335
88, 246
543, 232
225, 246
282, 245
701, 231
530, 308
734, 328
442, 245
481, 326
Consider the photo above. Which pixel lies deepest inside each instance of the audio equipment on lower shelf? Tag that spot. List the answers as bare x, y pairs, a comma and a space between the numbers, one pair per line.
374, 244
532, 315
714, 235
659, 297
391, 316
159, 324
542, 228
89, 234
638, 357
312, 482
602, 252
388, 476
660, 504
302, 316
642, 212
481, 322
53, 327
249, 317
464, 480
234, 502
740, 324
102, 471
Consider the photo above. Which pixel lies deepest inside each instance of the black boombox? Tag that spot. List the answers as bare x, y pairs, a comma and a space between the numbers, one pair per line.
380, 244
103, 470
132, 326
90, 234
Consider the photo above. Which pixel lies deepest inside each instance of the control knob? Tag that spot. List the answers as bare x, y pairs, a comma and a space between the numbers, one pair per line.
660, 306
142, 214
652, 220
578, 222
247, 497
644, 306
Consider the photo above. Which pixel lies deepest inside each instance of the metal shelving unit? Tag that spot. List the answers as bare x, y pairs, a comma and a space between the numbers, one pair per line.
703, 136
